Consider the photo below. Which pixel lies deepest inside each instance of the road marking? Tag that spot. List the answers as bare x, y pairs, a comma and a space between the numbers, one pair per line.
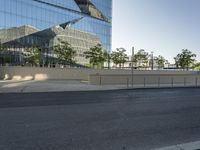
186, 146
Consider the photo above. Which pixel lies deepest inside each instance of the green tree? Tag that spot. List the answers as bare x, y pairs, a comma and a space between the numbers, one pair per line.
33, 55
107, 57
1, 47
119, 56
5, 54
197, 66
141, 58
96, 55
160, 61
1, 54
185, 59
65, 52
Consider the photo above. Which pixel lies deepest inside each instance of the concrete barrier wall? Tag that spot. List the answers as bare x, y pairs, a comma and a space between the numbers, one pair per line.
36, 73
144, 80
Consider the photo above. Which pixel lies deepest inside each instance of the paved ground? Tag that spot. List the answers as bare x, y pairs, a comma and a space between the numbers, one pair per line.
12, 86
99, 120
27, 86
185, 146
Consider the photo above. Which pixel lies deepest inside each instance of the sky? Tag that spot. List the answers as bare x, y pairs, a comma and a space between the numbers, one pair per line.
163, 27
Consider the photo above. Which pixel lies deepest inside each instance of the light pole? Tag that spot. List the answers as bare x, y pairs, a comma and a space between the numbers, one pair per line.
152, 61
132, 66
108, 55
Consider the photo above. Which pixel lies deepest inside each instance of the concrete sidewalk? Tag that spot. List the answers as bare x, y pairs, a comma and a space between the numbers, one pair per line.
26, 86
22, 86
186, 146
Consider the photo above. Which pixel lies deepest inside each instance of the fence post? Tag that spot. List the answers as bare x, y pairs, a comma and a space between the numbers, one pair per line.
184, 81
132, 75
127, 80
172, 82
158, 82
99, 79
196, 81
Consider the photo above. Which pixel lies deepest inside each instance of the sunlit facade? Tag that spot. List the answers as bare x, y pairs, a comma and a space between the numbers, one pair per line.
92, 17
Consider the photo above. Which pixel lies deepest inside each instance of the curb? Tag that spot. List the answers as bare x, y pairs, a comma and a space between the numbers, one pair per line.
186, 146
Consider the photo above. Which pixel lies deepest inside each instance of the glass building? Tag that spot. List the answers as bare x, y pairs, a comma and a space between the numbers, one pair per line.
26, 22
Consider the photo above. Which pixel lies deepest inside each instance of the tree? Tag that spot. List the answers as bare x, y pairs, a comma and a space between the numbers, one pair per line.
185, 59
107, 57
197, 66
141, 58
96, 55
160, 61
119, 56
4, 53
65, 52
1, 47
33, 55
1, 54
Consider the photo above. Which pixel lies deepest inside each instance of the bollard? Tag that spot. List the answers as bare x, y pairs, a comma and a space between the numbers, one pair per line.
196, 81
99, 80
158, 82
127, 81
172, 82
184, 81
144, 82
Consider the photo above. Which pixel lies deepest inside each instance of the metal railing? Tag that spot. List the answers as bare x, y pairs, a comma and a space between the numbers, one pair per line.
147, 81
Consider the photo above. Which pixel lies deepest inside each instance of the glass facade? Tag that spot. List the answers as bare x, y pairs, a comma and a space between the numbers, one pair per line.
90, 16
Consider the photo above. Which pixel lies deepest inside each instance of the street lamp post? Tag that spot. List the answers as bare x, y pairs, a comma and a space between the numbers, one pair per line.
152, 61
132, 66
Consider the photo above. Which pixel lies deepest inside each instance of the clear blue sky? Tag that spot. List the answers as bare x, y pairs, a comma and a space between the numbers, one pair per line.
162, 26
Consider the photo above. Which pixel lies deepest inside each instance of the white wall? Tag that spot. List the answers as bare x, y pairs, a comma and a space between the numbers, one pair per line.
20, 73
52, 73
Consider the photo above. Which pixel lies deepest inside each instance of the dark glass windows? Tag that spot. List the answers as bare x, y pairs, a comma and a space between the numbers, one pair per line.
41, 16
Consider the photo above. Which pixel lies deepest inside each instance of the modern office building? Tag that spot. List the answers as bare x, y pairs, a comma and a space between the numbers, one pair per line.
82, 23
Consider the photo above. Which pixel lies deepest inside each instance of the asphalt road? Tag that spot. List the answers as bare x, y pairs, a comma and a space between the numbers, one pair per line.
104, 120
